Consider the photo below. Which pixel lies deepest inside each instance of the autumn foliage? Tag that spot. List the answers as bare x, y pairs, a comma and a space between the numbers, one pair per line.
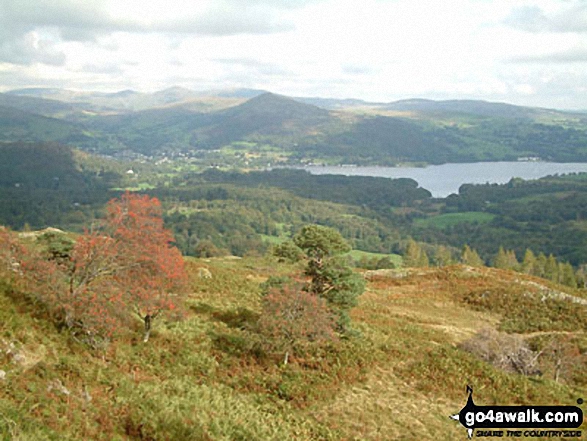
293, 316
11, 254
125, 266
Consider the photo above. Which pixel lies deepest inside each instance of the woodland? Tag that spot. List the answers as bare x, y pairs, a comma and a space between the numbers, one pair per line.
158, 282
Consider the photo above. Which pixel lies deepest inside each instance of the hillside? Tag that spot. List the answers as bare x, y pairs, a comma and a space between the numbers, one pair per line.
466, 107
268, 117
38, 105
44, 185
178, 120
20, 125
128, 100
209, 376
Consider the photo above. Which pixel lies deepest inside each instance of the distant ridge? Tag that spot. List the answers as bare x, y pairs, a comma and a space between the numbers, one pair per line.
277, 106
240, 93
36, 104
346, 131
34, 91
473, 107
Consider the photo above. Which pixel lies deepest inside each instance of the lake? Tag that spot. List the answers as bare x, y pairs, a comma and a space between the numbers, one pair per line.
442, 180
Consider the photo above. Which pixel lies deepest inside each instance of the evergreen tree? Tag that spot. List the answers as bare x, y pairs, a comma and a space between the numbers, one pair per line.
412, 253
331, 275
415, 256
567, 275
470, 257
551, 269
442, 256
287, 252
512, 260
423, 260
501, 259
529, 262
540, 267
581, 276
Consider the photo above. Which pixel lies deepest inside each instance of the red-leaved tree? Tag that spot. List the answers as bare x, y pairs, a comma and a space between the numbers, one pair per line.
153, 268
126, 265
293, 316
11, 253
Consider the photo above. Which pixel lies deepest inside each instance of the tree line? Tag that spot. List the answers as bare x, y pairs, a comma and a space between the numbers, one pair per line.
547, 267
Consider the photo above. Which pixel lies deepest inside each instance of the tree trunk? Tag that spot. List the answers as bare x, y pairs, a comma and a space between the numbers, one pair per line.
557, 369
147, 320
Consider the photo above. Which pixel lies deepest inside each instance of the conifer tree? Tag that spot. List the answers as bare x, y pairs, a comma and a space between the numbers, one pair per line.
331, 275
567, 275
529, 262
512, 260
551, 269
501, 259
470, 257
540, 267
423, 261
442, 256
414, 255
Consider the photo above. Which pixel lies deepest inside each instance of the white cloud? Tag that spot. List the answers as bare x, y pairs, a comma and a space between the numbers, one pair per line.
31, 48
377, 50
569, 16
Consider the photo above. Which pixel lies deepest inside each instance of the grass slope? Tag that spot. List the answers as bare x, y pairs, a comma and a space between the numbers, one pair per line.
207, 377
450, 219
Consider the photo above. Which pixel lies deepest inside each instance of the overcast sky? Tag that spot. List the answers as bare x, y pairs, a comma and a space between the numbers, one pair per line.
530, 52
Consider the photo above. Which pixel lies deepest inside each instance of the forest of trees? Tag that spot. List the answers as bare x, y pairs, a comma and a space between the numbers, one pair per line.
217, 213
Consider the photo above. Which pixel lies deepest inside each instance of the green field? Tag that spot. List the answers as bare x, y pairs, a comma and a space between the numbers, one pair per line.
357, 255
450, 219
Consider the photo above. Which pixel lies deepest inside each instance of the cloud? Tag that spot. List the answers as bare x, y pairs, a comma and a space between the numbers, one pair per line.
81, 21
575, 55
254, 67
573, 18
104, 69
357, 69
75, 21
71, 20
30, 49
18, 17
528, 18
16, 77
222, 22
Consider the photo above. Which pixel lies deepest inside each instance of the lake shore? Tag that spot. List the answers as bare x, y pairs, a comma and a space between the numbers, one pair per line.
443, 180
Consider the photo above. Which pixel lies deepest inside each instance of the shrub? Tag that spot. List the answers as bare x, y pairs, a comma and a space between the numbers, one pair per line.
508, 352
292, 316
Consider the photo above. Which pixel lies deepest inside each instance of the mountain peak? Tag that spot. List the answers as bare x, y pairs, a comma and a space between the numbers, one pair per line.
123, 93
34, 91
273, 104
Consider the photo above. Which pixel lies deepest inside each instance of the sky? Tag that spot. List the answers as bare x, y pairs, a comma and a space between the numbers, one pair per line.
522, 52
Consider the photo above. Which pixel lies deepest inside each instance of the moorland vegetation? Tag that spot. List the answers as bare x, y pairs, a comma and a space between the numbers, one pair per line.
149, 290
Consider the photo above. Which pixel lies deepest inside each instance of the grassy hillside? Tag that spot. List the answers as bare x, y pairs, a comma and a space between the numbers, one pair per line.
19, 125
178, 120
209, 376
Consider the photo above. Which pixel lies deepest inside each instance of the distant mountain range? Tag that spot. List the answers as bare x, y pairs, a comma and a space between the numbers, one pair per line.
304, 129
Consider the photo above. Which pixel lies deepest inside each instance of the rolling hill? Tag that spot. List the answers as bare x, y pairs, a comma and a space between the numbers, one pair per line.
210, 375
304, 129
20, 125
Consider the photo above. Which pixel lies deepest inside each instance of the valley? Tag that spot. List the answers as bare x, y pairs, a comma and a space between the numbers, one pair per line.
251, 128
482, 287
